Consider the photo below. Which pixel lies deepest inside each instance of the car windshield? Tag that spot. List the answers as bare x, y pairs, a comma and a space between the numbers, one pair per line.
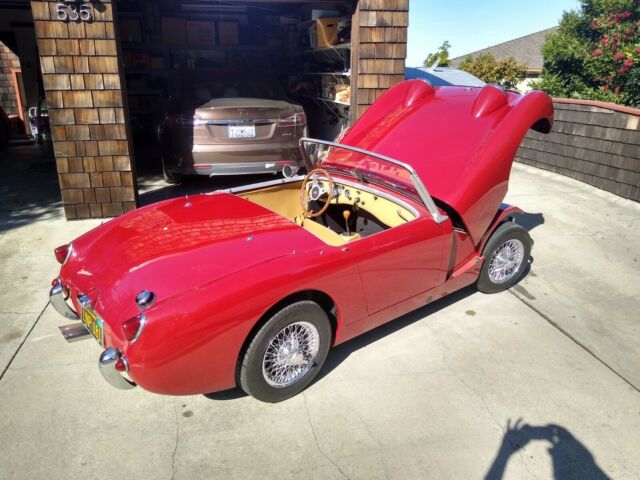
364, 167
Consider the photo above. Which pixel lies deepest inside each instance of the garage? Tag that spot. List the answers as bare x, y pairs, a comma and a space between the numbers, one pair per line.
142, 95
222, 89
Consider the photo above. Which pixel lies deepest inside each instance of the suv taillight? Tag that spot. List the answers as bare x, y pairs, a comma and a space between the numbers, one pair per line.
62, 253
298, 119
132, 328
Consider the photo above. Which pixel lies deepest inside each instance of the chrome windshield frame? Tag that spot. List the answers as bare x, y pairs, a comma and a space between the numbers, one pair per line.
426, 198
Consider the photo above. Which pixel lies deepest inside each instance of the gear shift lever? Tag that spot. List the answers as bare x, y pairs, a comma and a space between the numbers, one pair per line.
346, 214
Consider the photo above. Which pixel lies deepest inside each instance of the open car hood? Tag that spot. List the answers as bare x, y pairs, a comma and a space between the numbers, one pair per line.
461, 141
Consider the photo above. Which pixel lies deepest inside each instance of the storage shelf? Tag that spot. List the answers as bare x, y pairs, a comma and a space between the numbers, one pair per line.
334, 74
140, 46
342, 46
327, 100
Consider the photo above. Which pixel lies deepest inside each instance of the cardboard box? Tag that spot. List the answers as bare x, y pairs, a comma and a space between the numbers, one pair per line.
327, 32
201, 33
174, 31
229, 33
130, 30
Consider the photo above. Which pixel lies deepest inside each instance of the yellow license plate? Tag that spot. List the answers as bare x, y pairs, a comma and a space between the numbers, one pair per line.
93, 323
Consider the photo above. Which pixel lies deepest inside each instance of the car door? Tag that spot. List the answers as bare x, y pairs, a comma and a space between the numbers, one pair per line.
404, 262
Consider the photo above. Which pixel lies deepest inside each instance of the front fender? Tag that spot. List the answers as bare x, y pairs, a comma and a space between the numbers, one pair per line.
504, 213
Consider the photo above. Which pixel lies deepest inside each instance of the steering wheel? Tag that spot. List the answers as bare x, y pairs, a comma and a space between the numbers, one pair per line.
315, 192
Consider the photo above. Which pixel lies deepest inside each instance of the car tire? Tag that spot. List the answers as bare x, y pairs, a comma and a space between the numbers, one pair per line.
506, 257
273, 368
169, 175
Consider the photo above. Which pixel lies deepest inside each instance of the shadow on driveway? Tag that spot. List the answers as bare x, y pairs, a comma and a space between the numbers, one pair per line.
28, 185
571, 460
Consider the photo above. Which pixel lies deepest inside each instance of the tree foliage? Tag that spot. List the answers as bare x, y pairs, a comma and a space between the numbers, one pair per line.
507, 72
595, 53
442, 54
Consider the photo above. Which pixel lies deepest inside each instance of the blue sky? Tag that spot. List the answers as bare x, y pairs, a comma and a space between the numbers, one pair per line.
472, 25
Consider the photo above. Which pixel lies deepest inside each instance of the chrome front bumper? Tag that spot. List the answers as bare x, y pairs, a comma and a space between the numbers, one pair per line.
108, 370
59, 301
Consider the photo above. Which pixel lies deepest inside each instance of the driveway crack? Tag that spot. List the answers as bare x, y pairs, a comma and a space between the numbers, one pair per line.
562, 330
175, 448
315, 439
15, 354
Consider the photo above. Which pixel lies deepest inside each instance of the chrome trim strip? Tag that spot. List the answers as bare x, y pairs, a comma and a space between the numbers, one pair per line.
59, 301
241, 121
107, 364
69, 252
255, 186
415, 179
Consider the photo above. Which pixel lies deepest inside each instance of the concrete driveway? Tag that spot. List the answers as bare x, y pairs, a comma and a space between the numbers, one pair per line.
538, 382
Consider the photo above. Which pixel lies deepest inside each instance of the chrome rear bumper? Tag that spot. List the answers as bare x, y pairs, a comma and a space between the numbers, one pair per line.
59, 301
240, 168
107, 364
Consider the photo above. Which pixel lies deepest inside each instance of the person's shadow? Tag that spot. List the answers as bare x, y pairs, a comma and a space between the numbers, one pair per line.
570, 458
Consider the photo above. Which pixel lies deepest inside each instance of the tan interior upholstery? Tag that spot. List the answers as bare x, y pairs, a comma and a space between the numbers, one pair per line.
282, 199
285, 200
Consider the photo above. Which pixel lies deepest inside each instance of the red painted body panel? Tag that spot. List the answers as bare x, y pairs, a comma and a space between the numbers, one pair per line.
218, 263
460, 140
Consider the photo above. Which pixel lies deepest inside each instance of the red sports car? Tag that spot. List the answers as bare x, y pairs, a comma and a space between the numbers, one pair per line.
251, 286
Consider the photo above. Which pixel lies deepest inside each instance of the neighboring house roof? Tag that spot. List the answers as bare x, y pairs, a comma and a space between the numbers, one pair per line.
527, 50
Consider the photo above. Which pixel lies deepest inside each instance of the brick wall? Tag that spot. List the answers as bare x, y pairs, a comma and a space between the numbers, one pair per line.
379, 49
8, 61
597, 143
82, 81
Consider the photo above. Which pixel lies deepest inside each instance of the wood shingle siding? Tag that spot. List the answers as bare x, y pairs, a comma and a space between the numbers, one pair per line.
379, 39
598, 145
82, 80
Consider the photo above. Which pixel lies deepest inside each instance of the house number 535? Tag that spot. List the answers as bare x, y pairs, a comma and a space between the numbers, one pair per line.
74, 11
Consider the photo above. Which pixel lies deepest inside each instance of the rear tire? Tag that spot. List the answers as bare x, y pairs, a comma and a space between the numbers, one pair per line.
169, 176
287, 353
166, 154
506, 256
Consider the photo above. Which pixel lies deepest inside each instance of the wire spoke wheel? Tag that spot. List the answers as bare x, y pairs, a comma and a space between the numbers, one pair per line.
506, 261
290, 354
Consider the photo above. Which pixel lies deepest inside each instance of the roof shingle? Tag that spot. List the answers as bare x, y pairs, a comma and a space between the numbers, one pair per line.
527, 50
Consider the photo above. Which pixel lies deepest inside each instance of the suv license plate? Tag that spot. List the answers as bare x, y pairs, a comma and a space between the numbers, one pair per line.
242, 131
